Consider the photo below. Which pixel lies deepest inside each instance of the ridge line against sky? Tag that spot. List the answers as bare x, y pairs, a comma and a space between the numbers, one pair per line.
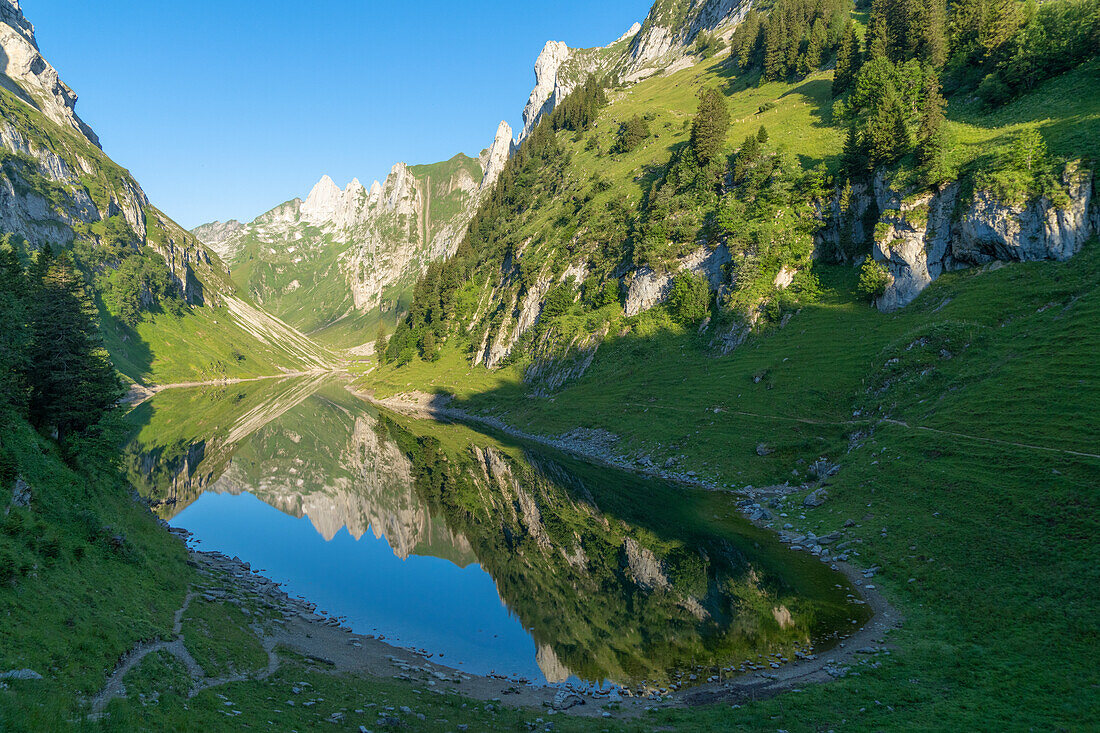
222, 112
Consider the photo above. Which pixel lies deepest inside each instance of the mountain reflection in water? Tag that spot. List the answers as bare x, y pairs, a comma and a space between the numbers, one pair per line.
500, 557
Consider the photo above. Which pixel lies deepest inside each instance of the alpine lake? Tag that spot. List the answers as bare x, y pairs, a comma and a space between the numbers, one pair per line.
485, 553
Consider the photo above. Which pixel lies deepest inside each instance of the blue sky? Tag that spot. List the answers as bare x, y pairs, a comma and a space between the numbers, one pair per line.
225, 108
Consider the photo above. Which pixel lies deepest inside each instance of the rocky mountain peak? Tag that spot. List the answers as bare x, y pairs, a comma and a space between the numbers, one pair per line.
674, 24
497, 155
630, 33
28, 75
545, 96
323, 201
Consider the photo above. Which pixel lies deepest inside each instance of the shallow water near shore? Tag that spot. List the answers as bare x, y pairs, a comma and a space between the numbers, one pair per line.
490, 555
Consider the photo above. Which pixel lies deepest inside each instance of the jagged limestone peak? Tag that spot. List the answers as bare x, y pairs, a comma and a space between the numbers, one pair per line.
323, 201
630, 33
546, 93
497, 155
28, 75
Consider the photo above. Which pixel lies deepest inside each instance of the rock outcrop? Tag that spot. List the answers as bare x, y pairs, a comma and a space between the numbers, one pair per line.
218, 236
495, 158
648, 288
672, 26
918, 237
548, 92
29, 76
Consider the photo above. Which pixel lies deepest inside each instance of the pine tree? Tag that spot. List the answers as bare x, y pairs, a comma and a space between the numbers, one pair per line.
928, 32
380, 342
1002, 22
854, 157
13, 335
902, 137
72, 384
931, 144
710, 126
815, 47
775, 43
847, 60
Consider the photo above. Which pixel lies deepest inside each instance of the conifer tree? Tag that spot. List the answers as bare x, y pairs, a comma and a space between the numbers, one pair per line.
815, 47
854, 156
380, 342
931, 144
72, 384
847, 60
13, 334
928, 32
1002, 21
710, 126
775, 44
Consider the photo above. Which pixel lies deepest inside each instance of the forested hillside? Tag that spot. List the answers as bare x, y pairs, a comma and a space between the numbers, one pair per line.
844, 268
858, 136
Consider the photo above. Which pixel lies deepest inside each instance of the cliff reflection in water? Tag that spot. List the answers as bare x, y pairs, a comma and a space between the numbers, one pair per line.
614, 578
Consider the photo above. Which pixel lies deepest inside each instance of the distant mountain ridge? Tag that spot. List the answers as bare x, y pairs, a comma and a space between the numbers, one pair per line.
340, 260
337, 260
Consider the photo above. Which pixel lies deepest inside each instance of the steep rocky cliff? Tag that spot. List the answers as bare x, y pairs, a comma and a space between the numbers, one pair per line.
58, 188
28, 75
922, 234
661, 44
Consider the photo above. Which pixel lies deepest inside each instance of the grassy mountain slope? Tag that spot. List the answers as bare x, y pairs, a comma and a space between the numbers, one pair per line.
964, 425
307, 272
168, 308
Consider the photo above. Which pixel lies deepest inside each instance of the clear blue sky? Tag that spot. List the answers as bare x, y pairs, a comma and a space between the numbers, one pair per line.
225, 108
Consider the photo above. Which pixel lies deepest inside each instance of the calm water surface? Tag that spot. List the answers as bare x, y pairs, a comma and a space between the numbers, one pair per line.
494, 556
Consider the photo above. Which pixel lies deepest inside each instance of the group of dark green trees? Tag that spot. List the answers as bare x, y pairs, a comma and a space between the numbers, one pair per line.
795, 37
534, 173
889, 86
54, 371
675, 210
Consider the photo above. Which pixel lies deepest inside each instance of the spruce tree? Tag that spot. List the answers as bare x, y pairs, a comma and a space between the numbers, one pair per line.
13, 335
815, 47
847, 60
710, 126
927, 29
72, 383
854, 157
380, 342
1002, 21
775, 44
931, 144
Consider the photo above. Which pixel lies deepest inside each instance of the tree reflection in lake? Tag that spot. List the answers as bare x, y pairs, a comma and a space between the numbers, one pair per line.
612, 577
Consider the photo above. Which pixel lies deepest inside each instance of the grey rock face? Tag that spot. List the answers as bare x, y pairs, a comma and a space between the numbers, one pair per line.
547, 92
918, 240
497, 155
659, 43
648, 288
219, 236
20, 674
32, 78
